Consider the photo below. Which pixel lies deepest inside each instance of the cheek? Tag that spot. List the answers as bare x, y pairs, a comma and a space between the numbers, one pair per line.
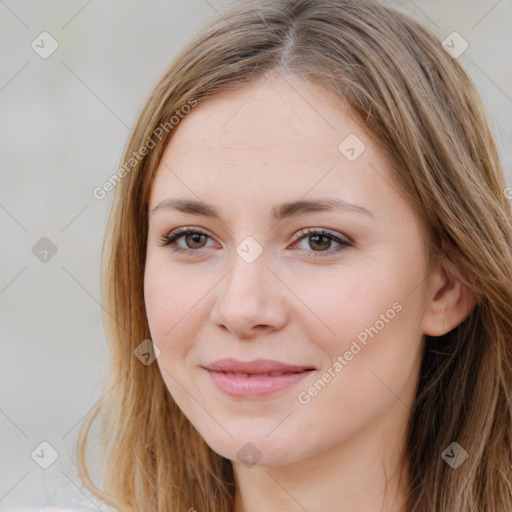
173, 318
374, 359
171, 301
369, 313
339, 302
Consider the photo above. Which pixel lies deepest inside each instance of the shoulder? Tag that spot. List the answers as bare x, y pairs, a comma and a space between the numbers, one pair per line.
54, 509
44, 509
78, 507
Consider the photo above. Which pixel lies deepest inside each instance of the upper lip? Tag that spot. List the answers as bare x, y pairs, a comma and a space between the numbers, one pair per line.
255, 366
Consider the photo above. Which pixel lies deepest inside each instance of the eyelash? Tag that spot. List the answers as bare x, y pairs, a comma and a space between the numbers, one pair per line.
303, 233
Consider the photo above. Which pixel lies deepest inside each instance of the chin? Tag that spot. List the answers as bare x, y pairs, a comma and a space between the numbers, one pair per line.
257, 450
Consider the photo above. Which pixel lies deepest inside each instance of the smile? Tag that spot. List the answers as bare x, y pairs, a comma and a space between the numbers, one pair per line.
255, 385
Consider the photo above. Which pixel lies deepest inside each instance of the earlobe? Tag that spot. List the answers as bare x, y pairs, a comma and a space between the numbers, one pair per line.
448, 303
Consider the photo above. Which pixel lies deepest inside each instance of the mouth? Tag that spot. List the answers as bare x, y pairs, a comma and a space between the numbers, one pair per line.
262, 375
255, 367
255, 379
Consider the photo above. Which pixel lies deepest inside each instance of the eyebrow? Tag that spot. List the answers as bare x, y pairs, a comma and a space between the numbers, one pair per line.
278, 212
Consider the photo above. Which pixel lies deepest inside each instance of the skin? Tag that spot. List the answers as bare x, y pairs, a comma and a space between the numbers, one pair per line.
300, 301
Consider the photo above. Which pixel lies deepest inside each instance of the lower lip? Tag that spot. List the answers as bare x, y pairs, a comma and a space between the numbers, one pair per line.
255, 387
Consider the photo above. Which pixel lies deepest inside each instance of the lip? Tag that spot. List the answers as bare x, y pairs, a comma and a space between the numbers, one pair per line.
258, 380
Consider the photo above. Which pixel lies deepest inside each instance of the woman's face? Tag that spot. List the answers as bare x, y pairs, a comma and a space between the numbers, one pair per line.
338, 308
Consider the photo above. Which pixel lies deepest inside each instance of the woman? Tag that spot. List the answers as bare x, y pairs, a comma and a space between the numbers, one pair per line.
307, 275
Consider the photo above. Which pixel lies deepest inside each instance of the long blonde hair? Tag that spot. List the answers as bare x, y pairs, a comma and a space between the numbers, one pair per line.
426, 116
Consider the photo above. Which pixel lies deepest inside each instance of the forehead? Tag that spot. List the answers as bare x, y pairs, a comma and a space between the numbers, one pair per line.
295, 120
272, 141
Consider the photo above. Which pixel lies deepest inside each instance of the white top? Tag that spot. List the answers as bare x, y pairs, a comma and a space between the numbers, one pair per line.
66, 498
53, 509
44, 509
78, 508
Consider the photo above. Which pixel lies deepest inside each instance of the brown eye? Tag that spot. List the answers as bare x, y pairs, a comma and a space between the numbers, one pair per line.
320, 241
195, 240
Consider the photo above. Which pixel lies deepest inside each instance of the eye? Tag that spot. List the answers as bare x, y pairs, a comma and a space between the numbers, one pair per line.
320, 239
194, 239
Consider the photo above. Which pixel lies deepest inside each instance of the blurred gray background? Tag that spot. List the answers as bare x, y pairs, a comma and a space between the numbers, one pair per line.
64, 119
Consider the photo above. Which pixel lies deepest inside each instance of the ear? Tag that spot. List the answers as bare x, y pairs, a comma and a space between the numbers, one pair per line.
448, 302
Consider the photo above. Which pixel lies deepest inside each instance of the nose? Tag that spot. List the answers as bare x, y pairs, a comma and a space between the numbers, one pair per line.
251, 300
